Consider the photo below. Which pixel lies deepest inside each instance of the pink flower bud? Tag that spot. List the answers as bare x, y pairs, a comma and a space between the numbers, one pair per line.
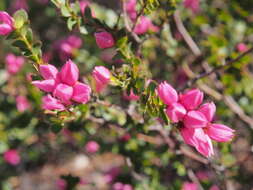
12, 157
14, 63
220, 133
241, 47
63, 92
167, 93
92, 147
48, 71
195, 119
69, 73
104, 40
131, 96
192, 4
208, 110
176, 112
45, 85
81, 93
190, 186
6, 23
22, 103
50, 103
191, 99
101, 76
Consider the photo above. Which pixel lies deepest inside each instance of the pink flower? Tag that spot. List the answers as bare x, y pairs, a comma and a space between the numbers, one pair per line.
144, 25
130, 7
192, 4
195, 119
208, 110
167, 93
127, 187
22, 103
191, 99
241, 47
214, 187
92, 147
101, 76
50, 103
6, 23
131, 96
63, 85
190, 186
176, 112
14, 63
104, 39
61, 184
12, 157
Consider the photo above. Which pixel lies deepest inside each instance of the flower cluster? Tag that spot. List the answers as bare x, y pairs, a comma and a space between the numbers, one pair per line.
63, 85
197, 128
144, 24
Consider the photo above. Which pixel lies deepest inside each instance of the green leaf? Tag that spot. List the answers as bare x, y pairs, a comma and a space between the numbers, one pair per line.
20, 17
65, 12
70, 23
83, 30
29, 35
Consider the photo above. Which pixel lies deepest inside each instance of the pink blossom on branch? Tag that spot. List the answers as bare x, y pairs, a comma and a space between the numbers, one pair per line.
6, 23
130, 7
63, 85
189, 186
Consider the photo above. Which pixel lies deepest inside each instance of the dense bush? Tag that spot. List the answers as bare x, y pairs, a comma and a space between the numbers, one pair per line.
126, 94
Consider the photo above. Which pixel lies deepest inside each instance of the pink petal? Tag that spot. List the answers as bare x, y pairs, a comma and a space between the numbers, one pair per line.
12, 157
48, 71
81, 93
45, 85
192, 99
63, 92
208, 110
176, 112
195, 119
69, 73
203, 143
220, 133
188, 135
50, 103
